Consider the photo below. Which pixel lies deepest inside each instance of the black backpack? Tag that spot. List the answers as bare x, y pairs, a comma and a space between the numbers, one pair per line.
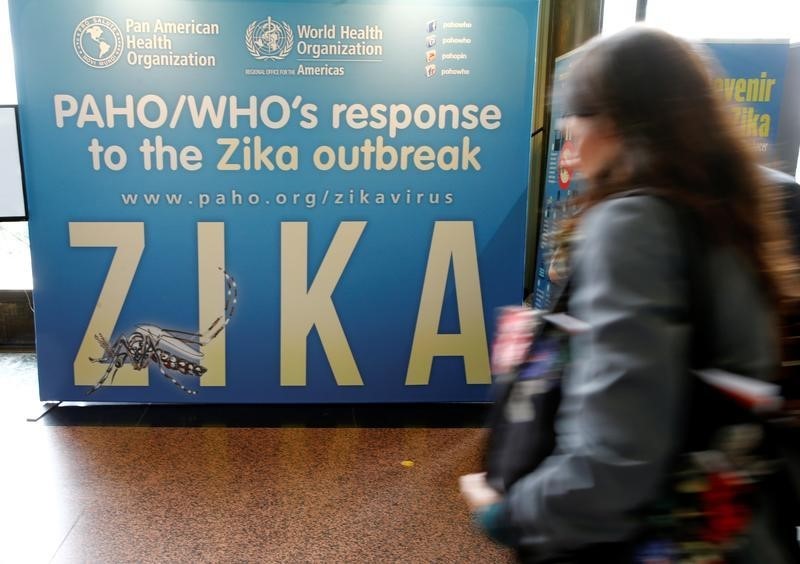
525, 403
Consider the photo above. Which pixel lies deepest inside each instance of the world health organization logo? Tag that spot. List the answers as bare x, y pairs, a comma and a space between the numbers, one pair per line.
268, 39
98, 42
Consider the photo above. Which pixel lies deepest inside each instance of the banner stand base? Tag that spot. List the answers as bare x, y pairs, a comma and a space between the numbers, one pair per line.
44, 410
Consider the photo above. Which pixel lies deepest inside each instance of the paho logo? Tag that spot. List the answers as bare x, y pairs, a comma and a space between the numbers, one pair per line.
98, 42
269, 39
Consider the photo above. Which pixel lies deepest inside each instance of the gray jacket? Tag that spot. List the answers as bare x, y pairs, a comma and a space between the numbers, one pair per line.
626, 392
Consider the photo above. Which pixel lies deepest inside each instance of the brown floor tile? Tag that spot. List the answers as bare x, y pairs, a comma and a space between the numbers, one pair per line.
119, 484
37, 507
272, 495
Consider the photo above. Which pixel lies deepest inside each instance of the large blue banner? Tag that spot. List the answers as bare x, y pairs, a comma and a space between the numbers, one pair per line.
273, 201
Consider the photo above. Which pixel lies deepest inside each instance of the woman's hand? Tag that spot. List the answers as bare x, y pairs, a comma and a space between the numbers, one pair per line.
488, 510
477, 492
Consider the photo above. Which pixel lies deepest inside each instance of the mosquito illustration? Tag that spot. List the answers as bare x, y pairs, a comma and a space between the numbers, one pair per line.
173, 351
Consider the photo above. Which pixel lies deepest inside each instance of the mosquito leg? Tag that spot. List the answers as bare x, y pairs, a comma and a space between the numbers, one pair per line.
111, 370
174, 381
231, 299
116, 358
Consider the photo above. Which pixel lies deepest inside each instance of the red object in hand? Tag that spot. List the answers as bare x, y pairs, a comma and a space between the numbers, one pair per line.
726, 515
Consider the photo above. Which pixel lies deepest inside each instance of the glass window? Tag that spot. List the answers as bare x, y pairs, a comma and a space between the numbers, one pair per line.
617, 15
723, 19
711, 19
15, 254
8, 84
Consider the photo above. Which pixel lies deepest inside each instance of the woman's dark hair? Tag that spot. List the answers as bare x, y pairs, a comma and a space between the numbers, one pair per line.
678, 138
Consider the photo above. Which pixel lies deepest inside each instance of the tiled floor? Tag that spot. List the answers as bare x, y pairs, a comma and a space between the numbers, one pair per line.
233, 484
